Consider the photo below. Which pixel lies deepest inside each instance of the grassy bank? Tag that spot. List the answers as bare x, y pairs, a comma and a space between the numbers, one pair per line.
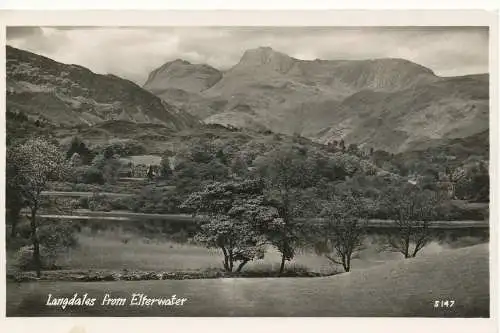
400, 288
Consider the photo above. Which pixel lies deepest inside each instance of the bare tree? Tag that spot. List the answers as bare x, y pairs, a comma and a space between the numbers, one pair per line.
344, 229
412, 209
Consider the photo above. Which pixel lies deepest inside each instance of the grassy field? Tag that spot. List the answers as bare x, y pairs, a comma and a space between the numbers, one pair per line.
118, 249
399, 288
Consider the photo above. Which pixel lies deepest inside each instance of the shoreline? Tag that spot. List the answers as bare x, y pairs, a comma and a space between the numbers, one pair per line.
109, 276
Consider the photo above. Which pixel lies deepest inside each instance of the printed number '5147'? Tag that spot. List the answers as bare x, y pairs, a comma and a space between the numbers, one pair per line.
444, 304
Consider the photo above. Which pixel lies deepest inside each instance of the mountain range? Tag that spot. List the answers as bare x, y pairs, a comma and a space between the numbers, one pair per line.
389, 104
385, 104
73, 95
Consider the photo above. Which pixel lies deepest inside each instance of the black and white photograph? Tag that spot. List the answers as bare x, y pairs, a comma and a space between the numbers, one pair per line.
247, 171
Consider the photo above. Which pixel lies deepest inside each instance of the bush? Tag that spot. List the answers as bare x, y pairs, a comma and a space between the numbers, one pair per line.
157, 199
123, 148
450, 211
85, 187
122, 203
55, 238
24, 259
98, 202
88, 175
78, 146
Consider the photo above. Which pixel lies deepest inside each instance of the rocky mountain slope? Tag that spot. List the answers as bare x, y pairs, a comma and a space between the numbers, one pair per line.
73, 95
390, 104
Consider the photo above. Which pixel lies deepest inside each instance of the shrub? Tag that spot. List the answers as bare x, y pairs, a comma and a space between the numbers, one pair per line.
93, 176
84, 202
24, 258
77, 146
55, 238
88, 175
123, 148
122, 203
98, 202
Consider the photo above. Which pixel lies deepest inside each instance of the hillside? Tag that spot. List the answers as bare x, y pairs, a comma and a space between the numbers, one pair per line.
72, 95
408, 119
325, 100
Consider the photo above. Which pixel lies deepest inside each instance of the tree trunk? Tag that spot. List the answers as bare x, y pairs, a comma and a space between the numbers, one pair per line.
13, 230
346, 263
231, 260
282, 266
407, 245
240, 266
226, 260
36, 243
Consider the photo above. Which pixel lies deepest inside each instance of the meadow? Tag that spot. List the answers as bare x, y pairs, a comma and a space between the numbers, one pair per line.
400, 288
117, 248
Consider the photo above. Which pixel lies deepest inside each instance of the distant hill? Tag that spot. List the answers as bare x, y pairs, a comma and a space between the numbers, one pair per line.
71, 95
388, 104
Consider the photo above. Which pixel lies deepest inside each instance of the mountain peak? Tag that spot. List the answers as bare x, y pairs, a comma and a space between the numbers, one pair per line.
182, 74
267, 58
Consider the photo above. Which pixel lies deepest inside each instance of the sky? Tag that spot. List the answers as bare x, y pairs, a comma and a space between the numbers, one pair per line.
133, 52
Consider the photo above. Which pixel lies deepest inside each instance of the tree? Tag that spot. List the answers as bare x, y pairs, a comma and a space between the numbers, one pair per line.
234, 218
239, 164
78, 146
353, 149
480, 182
475, 184
14, 200
108, 166
344, 228
284, 172
36, 162
412, 209
342, 145
75, 160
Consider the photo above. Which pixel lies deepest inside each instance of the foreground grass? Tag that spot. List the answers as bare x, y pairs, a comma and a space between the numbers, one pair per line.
117, 251
400, 288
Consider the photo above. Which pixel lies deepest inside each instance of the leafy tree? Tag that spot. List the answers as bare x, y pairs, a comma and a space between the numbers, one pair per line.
344, 229
36, 162
412, 209
285, 172
480, 182
14, 200
79, 147
353, 148
56, 237
108, 166
475, 184
234, 218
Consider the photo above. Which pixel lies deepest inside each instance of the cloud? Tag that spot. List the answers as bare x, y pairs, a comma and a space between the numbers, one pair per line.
132, 52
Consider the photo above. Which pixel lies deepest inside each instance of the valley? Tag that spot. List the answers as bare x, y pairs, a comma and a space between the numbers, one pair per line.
331, 179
